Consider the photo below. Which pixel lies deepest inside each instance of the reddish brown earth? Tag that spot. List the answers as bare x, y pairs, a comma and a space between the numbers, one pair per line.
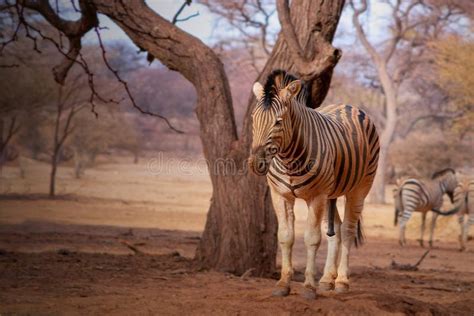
69, 269
67, 256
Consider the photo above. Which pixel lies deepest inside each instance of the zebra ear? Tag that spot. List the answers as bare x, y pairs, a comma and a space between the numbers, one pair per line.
257, 90
293, 88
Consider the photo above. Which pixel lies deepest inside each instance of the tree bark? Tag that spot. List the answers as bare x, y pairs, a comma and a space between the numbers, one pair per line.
240, 231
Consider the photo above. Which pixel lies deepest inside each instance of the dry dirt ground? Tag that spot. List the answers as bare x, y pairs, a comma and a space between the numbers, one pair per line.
69, 255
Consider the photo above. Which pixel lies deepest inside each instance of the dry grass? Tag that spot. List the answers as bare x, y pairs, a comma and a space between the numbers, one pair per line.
160, 193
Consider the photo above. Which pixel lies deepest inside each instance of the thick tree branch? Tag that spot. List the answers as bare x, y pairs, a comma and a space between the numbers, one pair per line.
360, 31
309, 69
289, 32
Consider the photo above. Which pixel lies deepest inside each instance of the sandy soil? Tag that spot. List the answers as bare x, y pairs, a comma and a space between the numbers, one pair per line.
67, 256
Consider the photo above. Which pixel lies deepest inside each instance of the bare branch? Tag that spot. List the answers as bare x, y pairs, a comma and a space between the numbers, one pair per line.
188, 17
175, 18
437, 116
74, 30
360, 31
127, 90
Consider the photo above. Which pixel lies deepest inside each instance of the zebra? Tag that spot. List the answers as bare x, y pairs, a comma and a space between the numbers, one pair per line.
316, 155
414, 195
464, 207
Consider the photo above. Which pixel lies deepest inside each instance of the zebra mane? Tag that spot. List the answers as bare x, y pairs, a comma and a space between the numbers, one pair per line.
440, 173
279, 79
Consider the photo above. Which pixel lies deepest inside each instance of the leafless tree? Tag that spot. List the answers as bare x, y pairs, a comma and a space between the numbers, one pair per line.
9, 127
412, 24
67, 107
252, 20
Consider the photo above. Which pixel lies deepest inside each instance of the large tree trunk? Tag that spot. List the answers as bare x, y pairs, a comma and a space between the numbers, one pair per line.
243, 235
241, 227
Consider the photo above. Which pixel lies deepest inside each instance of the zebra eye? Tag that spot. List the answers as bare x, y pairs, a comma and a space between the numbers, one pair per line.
273, 150
278, 122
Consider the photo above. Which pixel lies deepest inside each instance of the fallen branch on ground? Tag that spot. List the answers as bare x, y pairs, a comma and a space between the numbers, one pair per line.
131, 247
408, 267
247, 274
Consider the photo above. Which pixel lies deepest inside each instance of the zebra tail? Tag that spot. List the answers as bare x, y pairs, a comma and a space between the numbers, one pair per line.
395, 221
359, 238
448, 213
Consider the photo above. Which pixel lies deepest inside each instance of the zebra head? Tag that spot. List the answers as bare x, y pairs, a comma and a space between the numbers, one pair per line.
271, 123
448, 181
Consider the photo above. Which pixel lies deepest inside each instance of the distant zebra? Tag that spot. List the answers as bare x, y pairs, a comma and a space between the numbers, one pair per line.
464, 206
317, 155
415, 195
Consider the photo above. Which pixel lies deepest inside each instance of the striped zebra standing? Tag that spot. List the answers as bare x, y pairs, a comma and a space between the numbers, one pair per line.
464, 207
415, 195
315, 155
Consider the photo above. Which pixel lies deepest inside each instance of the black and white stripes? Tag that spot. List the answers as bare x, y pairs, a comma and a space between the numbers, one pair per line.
415, 195
316, 155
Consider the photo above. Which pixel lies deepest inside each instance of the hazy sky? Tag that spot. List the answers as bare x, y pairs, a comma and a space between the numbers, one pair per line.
205, 25
200, 26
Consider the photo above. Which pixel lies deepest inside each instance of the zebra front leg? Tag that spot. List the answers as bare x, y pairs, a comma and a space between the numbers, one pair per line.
422, 228
326, 283
434, 216
312, 239
353, 209
463, 236
286, 236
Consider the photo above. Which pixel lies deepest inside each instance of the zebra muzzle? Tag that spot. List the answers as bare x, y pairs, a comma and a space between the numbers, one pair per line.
259, 165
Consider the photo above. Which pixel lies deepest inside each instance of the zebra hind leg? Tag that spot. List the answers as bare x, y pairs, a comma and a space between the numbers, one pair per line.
434, 217
403, 224
352, 212
422, 229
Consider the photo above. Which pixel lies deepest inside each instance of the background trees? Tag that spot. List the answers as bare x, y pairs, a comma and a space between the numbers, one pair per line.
412, 25
454, 63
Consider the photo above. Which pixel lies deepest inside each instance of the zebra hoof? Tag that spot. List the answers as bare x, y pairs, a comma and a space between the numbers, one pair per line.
326, 286
309, 294
421, 243
281, 291
342, 287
